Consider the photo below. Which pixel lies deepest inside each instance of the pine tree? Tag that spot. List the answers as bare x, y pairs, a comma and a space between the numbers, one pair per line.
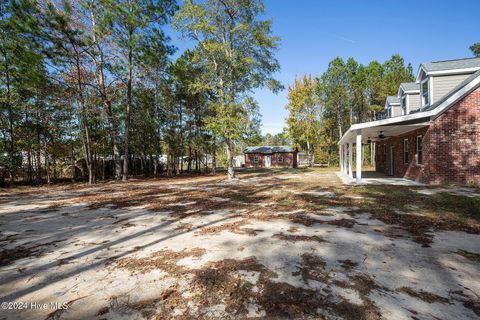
236, 50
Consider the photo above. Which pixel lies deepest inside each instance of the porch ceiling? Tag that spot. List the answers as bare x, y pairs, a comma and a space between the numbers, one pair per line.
386, 130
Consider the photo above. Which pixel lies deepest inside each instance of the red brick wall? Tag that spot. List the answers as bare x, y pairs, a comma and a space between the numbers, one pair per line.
289, 160
249, 160
401, 169
455, 143
451, 147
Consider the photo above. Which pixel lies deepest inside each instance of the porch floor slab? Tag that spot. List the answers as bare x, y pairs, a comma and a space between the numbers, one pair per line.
376, 178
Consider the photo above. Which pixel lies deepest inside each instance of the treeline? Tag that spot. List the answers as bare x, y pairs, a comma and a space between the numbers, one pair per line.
278, 139
322, 108
88, 88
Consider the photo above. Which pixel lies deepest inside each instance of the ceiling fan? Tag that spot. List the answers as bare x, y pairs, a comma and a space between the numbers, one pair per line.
381, 135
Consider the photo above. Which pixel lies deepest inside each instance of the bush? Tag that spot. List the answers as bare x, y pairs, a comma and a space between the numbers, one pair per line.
10, 163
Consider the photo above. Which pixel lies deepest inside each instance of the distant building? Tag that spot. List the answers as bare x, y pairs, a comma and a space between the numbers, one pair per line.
274, 156
302, 159
239, 161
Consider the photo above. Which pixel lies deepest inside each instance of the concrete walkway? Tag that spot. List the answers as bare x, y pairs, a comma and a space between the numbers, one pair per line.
372, 178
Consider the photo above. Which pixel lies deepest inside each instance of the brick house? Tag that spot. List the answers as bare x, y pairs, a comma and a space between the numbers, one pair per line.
436, 139
266, 157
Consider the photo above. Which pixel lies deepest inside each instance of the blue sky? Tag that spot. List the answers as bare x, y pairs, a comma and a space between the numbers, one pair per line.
314, 32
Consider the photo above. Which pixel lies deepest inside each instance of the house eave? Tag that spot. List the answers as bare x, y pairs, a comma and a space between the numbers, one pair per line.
406, 120
449, 72
411, 118
419, 72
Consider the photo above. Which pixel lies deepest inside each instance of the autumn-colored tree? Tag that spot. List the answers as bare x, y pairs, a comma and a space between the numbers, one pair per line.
304, 114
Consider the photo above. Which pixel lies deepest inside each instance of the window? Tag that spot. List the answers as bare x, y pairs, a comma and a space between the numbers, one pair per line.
419, 150
389, 112
279, 158
255, 159
405, 151
425, 100
404, 105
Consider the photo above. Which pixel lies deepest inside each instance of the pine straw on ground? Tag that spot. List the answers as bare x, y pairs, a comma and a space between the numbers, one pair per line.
234, 227
423, 295
296, 238
164, 260
423, 213
473, 257
219, 282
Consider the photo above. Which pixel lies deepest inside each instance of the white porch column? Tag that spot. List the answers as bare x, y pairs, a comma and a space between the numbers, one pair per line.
345, 160
341, 157
350, 159
359, 156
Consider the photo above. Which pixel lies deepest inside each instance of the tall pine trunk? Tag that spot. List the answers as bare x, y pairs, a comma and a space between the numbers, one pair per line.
214, 159
86, 141
128, 109
38, 150
29, 161
73, 162
230, 171
309, 153
47, 162
112, 123
10, 110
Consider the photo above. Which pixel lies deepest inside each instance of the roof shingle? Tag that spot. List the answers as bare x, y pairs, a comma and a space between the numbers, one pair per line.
268, 149
410, 86
452, 64
393, 100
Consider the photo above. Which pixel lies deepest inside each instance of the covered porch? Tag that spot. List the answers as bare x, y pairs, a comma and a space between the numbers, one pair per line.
353, 141
371, 177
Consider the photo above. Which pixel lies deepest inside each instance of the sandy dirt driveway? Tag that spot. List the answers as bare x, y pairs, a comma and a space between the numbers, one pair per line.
273, 244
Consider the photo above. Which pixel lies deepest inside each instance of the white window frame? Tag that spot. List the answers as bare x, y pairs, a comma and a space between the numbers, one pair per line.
422, 94
419, 163
404, 107
255, 158
408, 103
405, 152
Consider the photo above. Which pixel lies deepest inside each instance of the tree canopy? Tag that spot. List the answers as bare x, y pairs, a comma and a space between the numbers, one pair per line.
89, 88
236, 49
321, 109
475, 48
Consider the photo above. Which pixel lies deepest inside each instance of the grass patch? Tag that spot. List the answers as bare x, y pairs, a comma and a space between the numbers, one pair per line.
463, 205
445, 205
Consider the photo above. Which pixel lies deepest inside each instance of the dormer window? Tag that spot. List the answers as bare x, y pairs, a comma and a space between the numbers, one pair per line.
425, 94
404, 105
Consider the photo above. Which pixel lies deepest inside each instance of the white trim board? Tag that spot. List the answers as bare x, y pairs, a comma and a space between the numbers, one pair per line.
444, 72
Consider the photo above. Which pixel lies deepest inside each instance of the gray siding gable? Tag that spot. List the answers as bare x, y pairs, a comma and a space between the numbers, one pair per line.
444, 84
414, 101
